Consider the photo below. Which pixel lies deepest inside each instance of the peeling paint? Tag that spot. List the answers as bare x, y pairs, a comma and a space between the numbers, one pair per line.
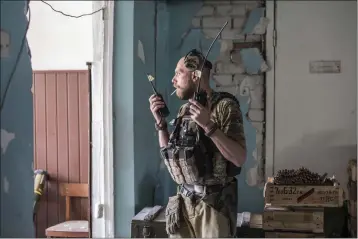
257, 153
6, 185
253, 20
6, 138
261, 26
264, 67
245, 87
253, 61
251, 177
140, 51
226, 46
16, 127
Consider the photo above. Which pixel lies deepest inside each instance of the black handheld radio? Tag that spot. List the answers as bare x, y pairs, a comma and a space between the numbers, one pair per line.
192, 61
163, 112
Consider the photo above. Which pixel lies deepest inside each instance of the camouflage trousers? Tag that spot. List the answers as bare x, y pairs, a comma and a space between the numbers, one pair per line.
212, 216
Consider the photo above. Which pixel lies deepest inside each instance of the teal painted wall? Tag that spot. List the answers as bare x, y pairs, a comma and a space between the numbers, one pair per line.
141, 179
16, 124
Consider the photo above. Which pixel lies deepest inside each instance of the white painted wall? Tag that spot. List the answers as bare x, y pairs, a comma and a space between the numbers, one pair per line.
58, 42
315, 114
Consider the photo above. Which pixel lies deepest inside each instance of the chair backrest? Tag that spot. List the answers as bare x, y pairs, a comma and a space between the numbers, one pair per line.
69, 190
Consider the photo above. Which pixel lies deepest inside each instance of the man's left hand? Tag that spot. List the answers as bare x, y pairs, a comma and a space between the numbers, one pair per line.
199, 113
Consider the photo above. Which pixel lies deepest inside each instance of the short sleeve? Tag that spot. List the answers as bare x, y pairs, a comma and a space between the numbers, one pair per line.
228, 116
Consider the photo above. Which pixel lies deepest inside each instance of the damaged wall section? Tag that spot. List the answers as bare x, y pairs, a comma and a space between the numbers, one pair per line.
16, 126
238, 71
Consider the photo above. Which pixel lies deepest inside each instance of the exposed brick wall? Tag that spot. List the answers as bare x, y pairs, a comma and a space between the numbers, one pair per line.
228, 75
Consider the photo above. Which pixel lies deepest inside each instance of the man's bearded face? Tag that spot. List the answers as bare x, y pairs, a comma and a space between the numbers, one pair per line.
183, 81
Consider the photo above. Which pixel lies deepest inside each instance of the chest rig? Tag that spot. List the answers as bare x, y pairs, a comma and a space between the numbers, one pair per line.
187, 158
189, 155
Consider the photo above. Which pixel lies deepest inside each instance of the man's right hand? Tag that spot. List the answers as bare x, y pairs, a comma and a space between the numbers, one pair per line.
155, 104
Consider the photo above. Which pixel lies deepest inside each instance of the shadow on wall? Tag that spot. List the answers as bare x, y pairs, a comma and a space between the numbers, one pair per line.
16, 127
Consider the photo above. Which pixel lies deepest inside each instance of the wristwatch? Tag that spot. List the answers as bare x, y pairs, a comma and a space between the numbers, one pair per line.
161, 126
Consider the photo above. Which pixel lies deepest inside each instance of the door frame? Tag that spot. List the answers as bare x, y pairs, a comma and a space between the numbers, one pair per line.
102, 194
271, 39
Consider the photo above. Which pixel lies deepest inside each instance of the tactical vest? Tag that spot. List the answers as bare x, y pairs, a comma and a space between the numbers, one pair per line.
189, 154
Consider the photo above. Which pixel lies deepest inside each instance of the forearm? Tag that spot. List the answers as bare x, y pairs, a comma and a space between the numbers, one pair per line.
163, 138
230, 149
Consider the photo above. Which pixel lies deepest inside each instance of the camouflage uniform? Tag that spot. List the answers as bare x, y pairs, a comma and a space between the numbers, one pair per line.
214, 214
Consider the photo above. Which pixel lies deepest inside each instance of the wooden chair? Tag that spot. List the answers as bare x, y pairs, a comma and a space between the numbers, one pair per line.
71, 228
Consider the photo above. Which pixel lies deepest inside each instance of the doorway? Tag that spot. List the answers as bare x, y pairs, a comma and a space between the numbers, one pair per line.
61, 44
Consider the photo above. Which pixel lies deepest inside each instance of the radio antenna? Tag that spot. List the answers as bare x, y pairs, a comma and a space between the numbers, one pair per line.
207, 53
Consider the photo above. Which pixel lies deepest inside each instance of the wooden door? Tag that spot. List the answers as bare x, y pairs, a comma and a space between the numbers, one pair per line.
61, 140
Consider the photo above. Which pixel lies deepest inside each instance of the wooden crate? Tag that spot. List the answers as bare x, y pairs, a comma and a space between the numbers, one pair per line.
299, 195
292, 235
294, 220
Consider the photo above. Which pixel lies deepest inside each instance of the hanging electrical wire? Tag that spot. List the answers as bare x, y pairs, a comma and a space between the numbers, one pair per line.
68, 15
2, 102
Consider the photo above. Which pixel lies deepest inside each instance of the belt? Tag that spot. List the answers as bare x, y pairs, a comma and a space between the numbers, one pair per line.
198, 190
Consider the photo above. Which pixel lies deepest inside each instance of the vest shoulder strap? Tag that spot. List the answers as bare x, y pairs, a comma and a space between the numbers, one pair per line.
218, 96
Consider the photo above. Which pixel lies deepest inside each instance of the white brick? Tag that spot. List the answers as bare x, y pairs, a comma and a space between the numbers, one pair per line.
232, 34
252, 5
256, 97
252, 38
206, 11
224, 57
257, 153
238, 78
229, 68
239, 22
231, 10
256, 115
243, 2
226, 45
216, 22
247, 81
223, 80
257, 104
259, 79
196, 22
258, 91
259, 127
259, 139
210, 33
216, 2
230, 89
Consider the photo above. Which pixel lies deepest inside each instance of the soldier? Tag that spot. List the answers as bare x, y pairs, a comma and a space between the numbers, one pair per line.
203, 154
